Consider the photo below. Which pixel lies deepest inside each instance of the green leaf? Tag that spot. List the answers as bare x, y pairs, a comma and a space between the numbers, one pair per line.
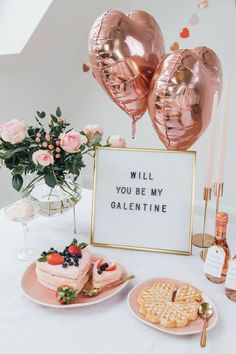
32, 131
18, 170
22, 148
41, 114
58, 112
17, 182
54, 119
83, 245
38, 121
50, 179
8, 154
97, 138
74, 242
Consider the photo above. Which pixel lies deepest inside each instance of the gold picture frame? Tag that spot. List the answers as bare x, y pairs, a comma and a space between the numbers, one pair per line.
95, 243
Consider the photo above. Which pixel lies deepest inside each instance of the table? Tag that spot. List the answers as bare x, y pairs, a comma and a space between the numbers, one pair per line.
106, 328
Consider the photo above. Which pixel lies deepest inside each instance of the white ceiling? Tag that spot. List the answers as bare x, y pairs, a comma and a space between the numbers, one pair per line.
18, 20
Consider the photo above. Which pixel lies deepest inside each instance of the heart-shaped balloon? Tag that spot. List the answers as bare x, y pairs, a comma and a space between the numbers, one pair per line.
124, 51
181, 96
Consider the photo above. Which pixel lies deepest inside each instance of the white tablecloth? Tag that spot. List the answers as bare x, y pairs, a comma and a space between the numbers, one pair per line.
106, 328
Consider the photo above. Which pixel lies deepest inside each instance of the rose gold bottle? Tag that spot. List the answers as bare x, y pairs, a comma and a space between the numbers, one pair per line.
220, 241
231, 293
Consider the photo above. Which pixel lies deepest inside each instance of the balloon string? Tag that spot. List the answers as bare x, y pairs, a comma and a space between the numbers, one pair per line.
133, 128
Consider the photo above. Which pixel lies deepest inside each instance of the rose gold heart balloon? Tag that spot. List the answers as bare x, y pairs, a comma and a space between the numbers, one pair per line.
181, 96
124, 51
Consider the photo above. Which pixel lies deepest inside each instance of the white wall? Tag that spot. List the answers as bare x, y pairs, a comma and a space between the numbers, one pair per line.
49, 72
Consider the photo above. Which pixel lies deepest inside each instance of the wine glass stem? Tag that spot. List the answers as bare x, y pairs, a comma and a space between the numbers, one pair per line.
25, 231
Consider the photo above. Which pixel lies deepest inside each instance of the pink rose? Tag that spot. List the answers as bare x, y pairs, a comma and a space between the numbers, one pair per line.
116, 141
13, 131
93, 131
71, 141
43, 158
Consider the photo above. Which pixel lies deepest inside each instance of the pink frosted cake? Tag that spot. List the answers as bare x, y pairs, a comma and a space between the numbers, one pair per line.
105, 273
71, 267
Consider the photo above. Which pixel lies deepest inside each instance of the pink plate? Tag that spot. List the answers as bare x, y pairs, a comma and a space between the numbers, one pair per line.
34, 291
193, 327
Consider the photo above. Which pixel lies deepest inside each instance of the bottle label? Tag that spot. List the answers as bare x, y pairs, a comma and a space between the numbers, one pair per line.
214, 261
230, 281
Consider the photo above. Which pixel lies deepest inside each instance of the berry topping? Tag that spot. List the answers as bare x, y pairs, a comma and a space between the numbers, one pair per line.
66, 294
65, 257
76, 264
100, 262
111, 267
74, 250
55, 258
71, 263
99, 271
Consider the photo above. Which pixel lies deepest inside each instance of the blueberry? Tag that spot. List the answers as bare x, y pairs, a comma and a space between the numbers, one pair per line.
64, 265
67, 253
106, 265
76, 264
76, 258
67, 247
44, 253
71, 263
68, 259
99, 271
61, 253
103, 267
80, 255
51, 248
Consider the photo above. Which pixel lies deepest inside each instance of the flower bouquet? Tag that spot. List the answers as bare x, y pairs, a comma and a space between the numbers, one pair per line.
50, 152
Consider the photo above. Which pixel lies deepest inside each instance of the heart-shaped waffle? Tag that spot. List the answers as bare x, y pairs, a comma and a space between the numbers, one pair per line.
170, 306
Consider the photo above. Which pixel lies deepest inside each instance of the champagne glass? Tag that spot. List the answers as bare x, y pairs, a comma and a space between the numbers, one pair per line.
22, 212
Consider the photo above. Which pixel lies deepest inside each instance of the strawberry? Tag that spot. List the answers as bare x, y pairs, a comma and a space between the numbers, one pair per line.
111, 267
74, 250
66, 294
100, 262
55, 258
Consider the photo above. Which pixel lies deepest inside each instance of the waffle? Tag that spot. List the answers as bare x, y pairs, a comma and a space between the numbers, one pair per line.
187, 293
159, 291
157, 306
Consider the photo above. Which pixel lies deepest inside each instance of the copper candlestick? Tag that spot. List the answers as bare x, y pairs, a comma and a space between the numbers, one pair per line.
204, 240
